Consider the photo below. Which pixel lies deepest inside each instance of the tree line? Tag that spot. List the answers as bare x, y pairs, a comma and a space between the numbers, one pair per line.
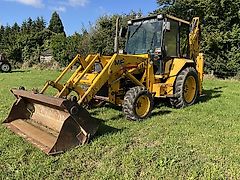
220, 35
24, 43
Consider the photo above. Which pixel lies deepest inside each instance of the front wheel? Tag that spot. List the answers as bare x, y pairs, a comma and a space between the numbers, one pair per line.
5, 67
137, 104
185, 89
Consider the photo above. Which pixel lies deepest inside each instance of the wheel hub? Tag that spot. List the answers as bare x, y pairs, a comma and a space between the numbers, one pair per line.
142, 106
5, 67
190, 89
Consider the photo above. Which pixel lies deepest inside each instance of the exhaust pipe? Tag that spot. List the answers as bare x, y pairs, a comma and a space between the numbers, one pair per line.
116, 42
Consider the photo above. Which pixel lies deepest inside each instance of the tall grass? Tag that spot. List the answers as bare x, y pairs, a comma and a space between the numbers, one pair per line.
202, 141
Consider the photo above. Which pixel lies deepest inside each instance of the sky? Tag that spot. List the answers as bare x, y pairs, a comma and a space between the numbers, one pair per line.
74, 13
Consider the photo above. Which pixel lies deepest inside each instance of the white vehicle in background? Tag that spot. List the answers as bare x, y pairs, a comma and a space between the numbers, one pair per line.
5, 66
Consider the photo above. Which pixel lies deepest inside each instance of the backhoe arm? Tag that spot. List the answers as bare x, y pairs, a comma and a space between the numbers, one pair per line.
194, 35
194, 42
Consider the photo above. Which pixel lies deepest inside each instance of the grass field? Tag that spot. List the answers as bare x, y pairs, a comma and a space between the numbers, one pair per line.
199, 142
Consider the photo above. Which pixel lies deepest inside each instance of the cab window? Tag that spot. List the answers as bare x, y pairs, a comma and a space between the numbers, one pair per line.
171, 39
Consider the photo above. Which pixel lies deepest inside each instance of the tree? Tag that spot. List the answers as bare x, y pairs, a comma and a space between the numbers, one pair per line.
39, 24
30, 24
2, 29
56, 24
15, 28
25, 43
59, 46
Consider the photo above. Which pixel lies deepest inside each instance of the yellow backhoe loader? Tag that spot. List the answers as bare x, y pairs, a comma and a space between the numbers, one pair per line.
161, 60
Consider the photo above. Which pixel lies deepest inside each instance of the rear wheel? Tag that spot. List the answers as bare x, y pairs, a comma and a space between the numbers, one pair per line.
186, 88
138, 103
5, 67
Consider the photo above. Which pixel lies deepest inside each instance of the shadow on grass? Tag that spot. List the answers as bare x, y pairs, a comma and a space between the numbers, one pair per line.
160, 112
106, 130
211, 94
120, 115
20, 71
95, 111
207, 96
158, 103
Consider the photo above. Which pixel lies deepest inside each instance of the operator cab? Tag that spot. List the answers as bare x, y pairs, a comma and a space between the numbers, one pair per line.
163, 36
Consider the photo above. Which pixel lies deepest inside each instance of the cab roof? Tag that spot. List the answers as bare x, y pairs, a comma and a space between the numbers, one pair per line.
163, 16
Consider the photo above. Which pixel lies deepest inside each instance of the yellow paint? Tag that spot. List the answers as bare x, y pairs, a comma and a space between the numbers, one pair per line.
194, 39
143, 105
88, 78
113, 90
200, 70
177, 66
157, 89
189, 89
133, 79
168, 65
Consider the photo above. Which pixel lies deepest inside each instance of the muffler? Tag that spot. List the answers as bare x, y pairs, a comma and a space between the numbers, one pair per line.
52, 124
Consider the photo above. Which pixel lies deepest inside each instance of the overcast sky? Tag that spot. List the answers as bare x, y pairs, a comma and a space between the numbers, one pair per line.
74, 13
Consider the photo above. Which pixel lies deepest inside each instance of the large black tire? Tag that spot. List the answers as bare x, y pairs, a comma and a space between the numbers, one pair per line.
6, 67
137, 104
185, 89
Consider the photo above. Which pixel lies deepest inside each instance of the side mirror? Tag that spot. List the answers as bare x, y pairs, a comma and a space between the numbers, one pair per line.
123, 32
168, 26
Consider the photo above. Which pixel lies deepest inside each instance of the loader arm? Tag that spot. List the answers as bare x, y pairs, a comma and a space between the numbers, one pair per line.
117, 67
63, 89
114, 68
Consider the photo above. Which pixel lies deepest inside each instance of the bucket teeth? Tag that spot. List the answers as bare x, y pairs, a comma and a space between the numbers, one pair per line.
52, 124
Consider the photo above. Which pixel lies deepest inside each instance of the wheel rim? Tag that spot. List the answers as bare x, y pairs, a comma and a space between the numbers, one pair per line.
190, 89
143, 104
5, 67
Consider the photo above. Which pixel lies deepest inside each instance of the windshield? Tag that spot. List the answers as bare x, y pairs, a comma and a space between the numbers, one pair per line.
144, 36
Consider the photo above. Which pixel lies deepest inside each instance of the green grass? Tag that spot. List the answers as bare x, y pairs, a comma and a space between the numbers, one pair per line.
202, 141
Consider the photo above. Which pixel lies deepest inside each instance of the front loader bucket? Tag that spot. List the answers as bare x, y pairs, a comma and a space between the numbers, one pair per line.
52, 124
